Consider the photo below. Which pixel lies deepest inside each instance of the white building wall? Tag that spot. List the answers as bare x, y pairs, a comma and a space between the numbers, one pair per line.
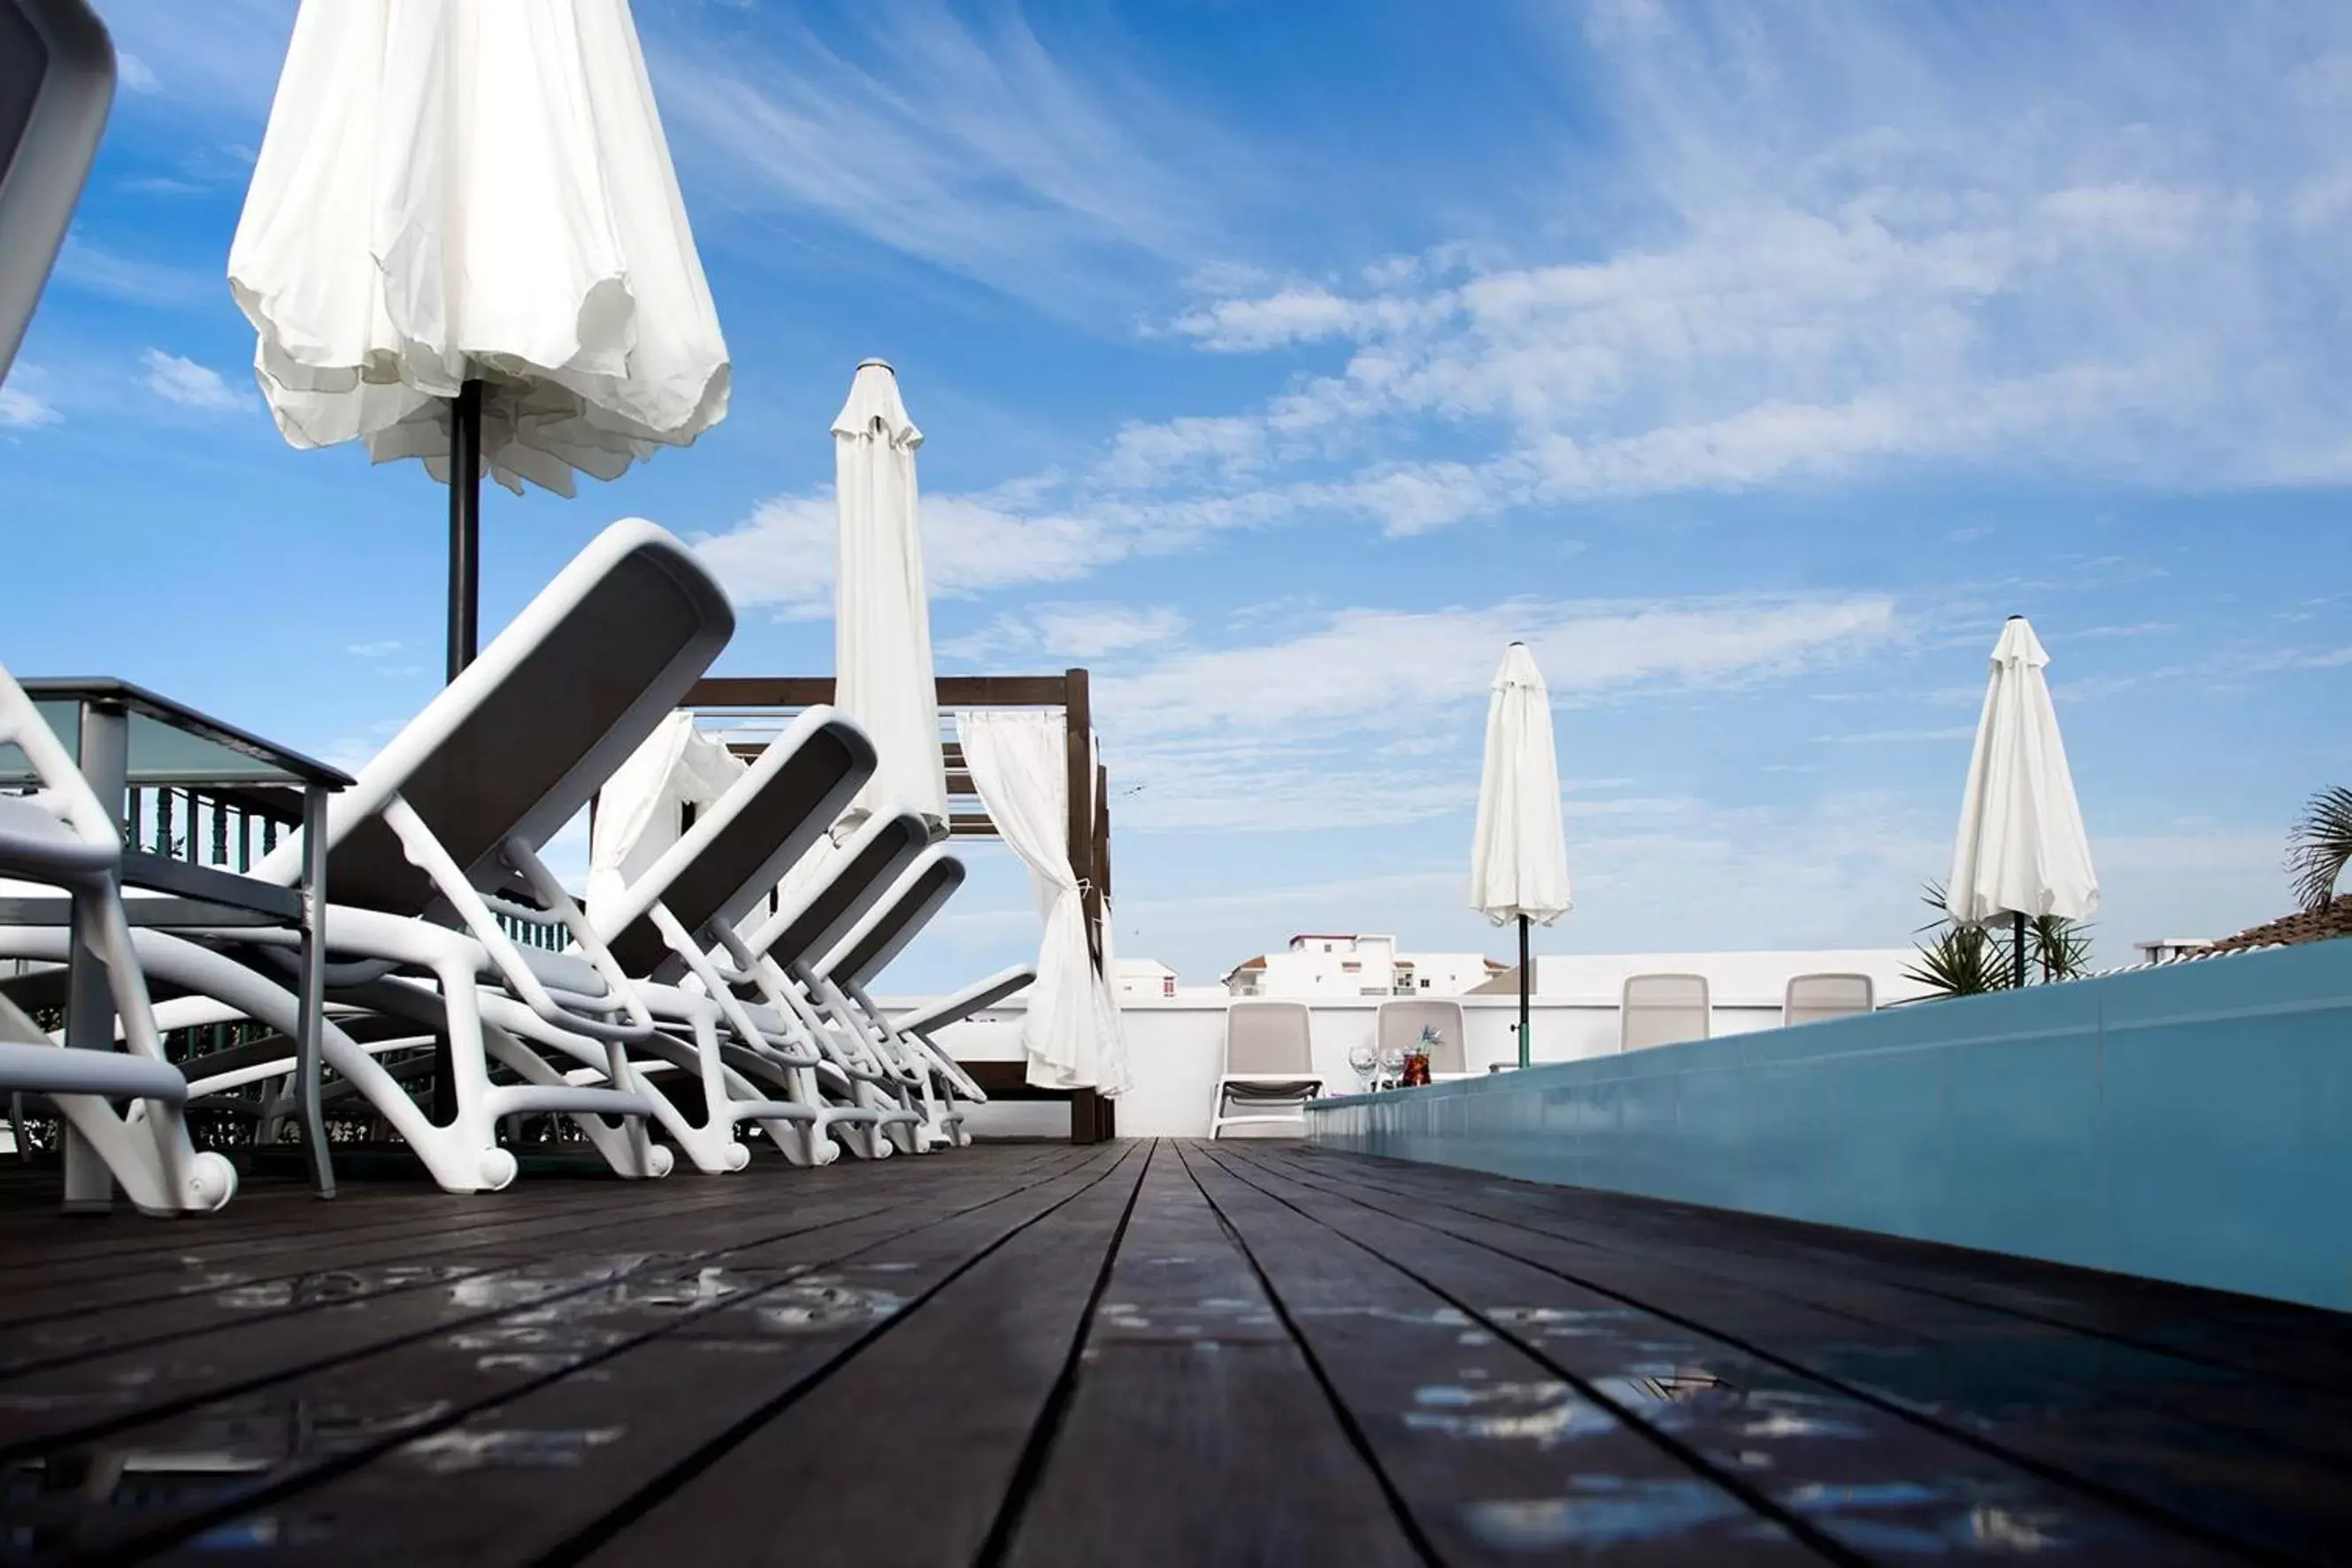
1176, 1045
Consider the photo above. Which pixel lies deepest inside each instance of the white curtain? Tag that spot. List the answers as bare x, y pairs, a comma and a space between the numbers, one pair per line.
638, 813
1020, 765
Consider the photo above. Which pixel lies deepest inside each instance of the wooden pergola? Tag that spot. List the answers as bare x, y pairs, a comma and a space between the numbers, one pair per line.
1092, 1119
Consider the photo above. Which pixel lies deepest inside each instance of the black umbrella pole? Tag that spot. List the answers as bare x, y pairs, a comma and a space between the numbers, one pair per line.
2017, 949
464, 622
465, 526
1526, 981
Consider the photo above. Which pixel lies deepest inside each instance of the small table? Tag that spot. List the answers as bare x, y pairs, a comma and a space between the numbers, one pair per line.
123, 736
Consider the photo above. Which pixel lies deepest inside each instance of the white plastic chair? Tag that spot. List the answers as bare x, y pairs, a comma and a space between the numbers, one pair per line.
64, 837
777, 961
932, 1079
1399, 1023
1811, 998
1269, 1068
1663, 1010
438, 833
664, 926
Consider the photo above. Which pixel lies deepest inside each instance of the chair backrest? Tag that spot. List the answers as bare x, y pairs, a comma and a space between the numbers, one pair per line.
1813, 997
1662, 1009
829, 908
741, 844
1400, 1023
897, 919
1269, 1037
515, 747
65, 801
960, 1005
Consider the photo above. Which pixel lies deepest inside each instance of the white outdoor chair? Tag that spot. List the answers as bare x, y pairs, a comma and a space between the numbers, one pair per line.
775, 962
931, 1076
436, 834
1269, 1068
63, 837
1399, 1023
1663, 1010
664, 926
1811, 998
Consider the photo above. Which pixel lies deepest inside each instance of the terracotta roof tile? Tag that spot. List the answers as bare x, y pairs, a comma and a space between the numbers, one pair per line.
2329, 920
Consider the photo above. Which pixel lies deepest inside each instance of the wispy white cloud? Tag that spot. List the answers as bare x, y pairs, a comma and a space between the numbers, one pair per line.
21, 406
781, 556
1371, 718
188, 383
1085, 631
1873, 244
222, 57
1043, 169
97, 270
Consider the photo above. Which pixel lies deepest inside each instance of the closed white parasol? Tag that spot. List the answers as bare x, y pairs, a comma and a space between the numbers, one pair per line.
882, 615
2021, 850
464, 243
1518, 855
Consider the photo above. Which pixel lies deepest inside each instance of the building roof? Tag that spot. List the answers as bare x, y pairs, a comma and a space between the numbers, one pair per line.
2329, 920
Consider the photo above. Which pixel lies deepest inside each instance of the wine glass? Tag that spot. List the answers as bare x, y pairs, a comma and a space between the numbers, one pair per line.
1392, 1065
1363, 1058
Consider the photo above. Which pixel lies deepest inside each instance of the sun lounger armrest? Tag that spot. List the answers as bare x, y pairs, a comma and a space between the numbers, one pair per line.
427, 853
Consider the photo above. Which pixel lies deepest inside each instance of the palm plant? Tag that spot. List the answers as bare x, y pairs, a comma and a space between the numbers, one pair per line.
1958, 960
2319, 845
1969, 961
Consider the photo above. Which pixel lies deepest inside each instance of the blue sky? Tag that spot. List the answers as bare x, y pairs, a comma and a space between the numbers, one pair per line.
1280, 364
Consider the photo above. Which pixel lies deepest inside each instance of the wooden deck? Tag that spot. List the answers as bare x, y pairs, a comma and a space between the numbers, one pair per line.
1128, 1354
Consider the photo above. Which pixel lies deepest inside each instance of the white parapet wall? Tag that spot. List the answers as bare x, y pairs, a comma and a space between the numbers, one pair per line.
1176, 1045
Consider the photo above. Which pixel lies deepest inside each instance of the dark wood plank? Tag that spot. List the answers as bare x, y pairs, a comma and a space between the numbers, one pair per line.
89, 1396
1996, 1345
525, 1435
2069, 1404
217, 1287
1849, 1471
2243, 1334
903, 1455
1499, 1458
1195, 1431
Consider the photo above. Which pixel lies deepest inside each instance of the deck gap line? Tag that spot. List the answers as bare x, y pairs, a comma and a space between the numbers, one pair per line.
2128, 1397
1803, 1530
537, 1245
270, 1314
1358, 1439
2126, 1503
178, 1533
590, 1200
598, 1533
1038, 1447
188, 1402
595, 1210
1893, 1278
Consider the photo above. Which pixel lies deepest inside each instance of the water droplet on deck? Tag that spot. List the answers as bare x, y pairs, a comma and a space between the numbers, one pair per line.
453, 1452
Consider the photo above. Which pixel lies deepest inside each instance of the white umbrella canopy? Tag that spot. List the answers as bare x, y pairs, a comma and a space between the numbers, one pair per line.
882, 615
2022, 850
1518, 855
449, 191
464, 243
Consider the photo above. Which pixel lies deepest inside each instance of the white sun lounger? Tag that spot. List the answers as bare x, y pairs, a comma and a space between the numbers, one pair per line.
774, 963
664, 924
65, 837
846, 974
447, 820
